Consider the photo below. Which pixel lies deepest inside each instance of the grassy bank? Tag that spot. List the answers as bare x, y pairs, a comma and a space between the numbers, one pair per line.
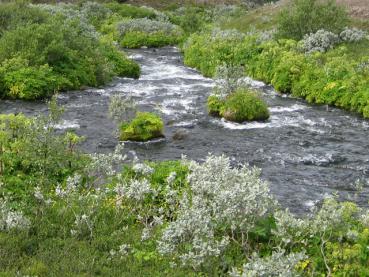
337, 75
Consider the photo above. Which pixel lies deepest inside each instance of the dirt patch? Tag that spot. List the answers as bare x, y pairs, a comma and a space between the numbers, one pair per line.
357, 8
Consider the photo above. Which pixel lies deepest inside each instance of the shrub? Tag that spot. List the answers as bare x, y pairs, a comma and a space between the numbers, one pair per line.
244, 105
227, 79
131, 11
167, 181
278, 264
215, 105
352, 35
122, 66
222, 206
139, 39
224, 47
13, 15
122, 109
321, 41
74, 55
144, 127
149, 26
190, 19
95, 12
135, 33
309, 16
31, 83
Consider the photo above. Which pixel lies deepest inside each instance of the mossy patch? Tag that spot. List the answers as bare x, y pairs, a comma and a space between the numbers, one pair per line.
240, 106
145, 126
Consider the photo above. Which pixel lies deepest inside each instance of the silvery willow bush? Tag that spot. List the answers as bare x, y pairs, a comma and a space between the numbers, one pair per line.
223, 206
148, 26
11, 219
227, 35
352, 35
321, 41
277, 265
227, 80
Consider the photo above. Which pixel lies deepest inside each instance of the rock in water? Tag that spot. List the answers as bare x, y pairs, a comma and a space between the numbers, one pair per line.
181, 134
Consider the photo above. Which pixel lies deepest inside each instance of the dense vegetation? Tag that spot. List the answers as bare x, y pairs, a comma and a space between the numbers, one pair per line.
324, 67
66, 213
44, 49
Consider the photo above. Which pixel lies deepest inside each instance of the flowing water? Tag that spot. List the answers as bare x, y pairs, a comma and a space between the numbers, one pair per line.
305, 152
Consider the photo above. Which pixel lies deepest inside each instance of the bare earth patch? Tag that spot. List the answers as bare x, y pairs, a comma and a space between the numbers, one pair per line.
357, 8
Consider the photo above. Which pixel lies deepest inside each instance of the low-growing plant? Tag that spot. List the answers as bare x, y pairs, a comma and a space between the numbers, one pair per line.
244, 105
352, 35
135, 33
215, 105
145, 126
221, 208
321, 41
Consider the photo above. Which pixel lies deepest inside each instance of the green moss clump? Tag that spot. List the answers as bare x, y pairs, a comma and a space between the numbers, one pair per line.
144, 127
242, 105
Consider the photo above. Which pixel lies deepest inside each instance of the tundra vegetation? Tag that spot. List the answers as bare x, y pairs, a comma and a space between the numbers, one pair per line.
67, 213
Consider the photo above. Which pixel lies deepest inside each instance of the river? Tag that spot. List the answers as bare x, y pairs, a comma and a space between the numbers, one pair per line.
305, 152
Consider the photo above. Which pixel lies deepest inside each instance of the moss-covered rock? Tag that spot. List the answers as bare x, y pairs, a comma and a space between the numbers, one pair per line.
144, 127
240, 106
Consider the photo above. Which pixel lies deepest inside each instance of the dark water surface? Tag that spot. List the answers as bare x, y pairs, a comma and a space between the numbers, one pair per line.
306, 152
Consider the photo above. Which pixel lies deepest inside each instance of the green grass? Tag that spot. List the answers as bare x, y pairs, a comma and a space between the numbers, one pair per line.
262, 18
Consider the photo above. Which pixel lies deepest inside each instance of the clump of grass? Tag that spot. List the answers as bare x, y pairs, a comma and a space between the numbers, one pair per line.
145, 126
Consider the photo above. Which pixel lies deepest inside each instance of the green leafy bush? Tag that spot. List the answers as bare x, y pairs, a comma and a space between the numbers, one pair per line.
215, 105
143, 127
337, 77
16, 13
139, 39
135, 33
31, 83
63, 52
308, 16
244, 105
122, 66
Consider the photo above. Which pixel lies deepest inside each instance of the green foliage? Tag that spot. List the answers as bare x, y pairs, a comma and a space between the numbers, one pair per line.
55, 53
244, 105
338, 77
143, 127
190, 19
309, 16
123, 66
139, 39
215, 105
160, 173
31, 154
16, 13
31, 83
126, 10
